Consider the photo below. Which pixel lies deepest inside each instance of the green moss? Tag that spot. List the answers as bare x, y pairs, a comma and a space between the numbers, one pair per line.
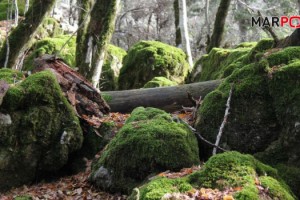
247, 45
159, 82
50, 27
11, 76
41, 115
106, 97
158, 187
111, 68
220, 63
230, 169
149, 59
276, 189
291, 175
257, 51
53, 46
222, 171
284, 56
23, 197
149, 142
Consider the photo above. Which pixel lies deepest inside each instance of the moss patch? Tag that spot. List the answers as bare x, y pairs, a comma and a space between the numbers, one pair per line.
11, 76
149, 59
52, 46
43, 132
230, 169
111, 68
149, 142
159, 82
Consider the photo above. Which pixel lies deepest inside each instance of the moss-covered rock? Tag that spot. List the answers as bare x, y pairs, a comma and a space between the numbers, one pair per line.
264, 110
149, 59
220, 63
159, 82
52, 46
148, 143
50, 27
41, 133
222, 171
11, 76
111, 68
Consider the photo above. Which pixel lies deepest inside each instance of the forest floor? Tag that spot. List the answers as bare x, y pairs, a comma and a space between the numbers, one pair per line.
77, 187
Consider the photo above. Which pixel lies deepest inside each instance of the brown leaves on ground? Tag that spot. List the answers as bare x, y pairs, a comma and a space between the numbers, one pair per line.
68, 188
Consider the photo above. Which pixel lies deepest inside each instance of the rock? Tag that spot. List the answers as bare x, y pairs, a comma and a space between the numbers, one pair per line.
264, 110
43, 132
148, 143
159, 82
52, 46
149, 59
111, 68
222, 171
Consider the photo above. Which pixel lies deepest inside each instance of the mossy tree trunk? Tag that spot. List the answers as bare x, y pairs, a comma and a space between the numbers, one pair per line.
182, 35
20, 37
97, 38
83, 22
216, 38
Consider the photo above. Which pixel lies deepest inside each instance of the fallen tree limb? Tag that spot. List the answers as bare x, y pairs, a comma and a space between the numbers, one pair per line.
165, 98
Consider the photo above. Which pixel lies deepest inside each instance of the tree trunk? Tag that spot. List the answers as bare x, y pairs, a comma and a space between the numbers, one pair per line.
299, 7
26, 7
15, 2
100, 29
19, 37
207, 22
182, 29
81, 41
219, 25
166, 98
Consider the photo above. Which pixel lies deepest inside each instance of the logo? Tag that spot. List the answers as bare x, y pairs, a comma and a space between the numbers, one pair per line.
292, 22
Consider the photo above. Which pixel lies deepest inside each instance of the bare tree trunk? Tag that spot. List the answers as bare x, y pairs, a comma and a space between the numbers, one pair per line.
242, 25
299, 7
20, 36
219, 25
99, 32
182, 29
15, 2
27, 2
207, 22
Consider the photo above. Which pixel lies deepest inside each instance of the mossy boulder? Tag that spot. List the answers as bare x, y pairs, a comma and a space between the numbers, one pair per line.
148, 59
111, 68
149, 142
222, 171
52, 46
50, 27
41, 133
264, 109
159, 82
220, 63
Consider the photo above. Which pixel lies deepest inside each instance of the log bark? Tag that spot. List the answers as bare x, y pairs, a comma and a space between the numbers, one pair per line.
165, 98
292, 40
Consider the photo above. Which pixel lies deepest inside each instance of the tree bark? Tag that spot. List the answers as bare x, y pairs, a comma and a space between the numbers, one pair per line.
166, 98
16, 7
100, 29
219, 25
81, 41
182, 29
26, 6
207, 22
19, 37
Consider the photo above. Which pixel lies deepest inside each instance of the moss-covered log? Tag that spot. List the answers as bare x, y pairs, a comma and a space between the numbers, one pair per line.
219, 25
166, 98
19, 37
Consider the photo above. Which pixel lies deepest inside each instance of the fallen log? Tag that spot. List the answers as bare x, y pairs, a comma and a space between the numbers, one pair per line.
165, 98
84, 98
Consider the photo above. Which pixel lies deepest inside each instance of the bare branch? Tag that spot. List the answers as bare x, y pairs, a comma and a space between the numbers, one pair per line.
224, 121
